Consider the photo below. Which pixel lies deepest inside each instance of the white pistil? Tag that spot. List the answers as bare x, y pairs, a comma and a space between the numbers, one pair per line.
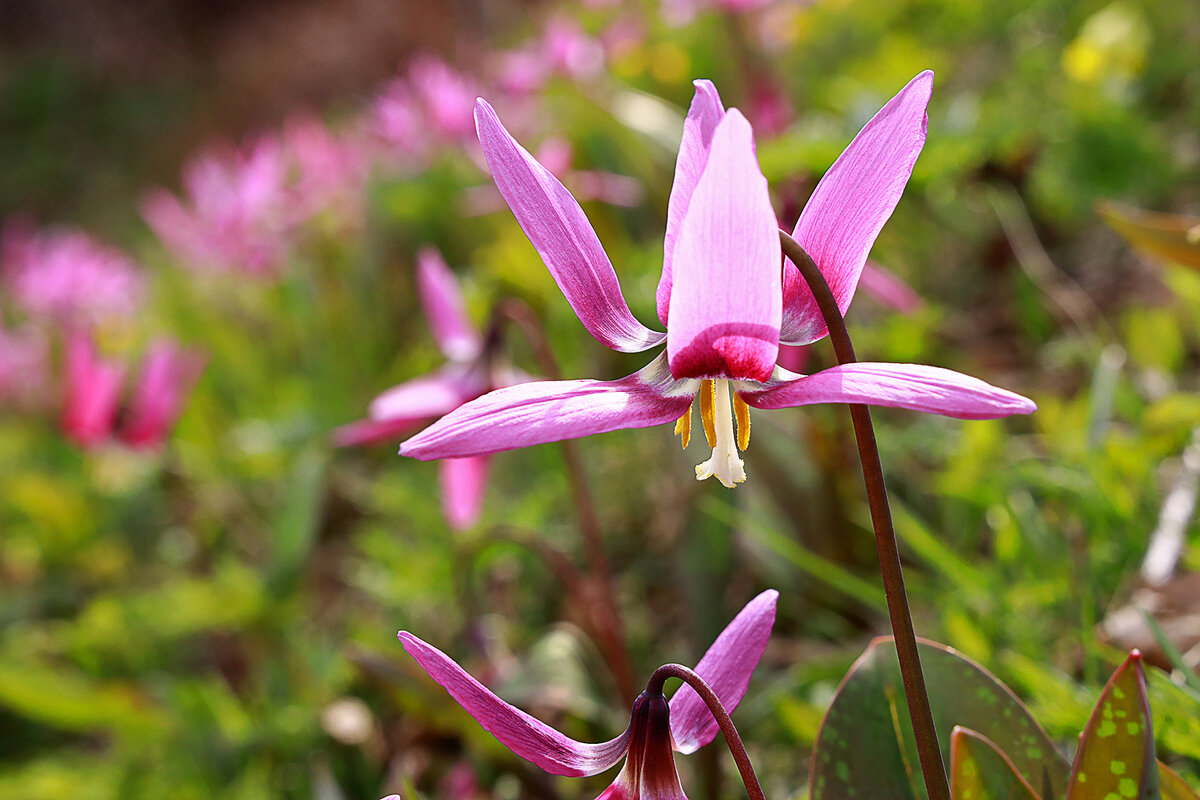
724, 463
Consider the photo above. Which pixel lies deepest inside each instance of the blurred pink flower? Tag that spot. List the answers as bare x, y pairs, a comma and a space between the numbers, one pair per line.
448, 96
887, 287
770, 109
396, 120
23, 366
168, 375
570, 51
65, 275
91, 391
237, 213
330, 169
470, 371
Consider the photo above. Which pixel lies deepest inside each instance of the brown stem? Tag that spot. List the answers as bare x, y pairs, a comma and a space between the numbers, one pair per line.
605, 610
930, 753
724, 721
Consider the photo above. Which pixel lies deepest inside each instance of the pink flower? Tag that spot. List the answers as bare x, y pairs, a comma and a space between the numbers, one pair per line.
168, 375
330, 170
397, 121
721, 296
64, 275
237, 217
448, 96
470, 371
92, 393
570, 51
23, 366
656, 727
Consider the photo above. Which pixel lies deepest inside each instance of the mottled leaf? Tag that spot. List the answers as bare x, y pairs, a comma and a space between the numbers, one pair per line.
866, 749
1115, 760
980, 771
1173, 787
1173, 237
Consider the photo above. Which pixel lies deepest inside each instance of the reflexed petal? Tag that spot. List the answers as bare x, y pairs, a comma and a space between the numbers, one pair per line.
726, 667
563, 237
702, 118
430, 395
912, 386
725, 295
550, 411
529, 738
851, 204
464, 484
442, 300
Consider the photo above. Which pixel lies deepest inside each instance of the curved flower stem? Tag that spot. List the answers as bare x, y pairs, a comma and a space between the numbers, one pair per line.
724, 721
932, 766
604, 610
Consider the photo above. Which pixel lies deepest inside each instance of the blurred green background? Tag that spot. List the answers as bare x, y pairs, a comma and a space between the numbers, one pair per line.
218, 618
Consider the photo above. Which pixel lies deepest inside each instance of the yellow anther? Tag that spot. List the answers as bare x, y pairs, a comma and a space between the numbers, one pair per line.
741, 412
708, 398
683, 427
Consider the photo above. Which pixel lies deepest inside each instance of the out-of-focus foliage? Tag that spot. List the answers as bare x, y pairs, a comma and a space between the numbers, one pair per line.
217, 617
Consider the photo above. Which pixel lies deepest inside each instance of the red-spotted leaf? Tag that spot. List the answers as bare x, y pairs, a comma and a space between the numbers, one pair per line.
1173, 787
1115, 760
1173, 237
865, 749
980, 771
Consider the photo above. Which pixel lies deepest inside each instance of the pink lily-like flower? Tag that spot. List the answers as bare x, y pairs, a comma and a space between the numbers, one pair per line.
92, 392
238, 212
471, 371
92, 410
725, 302
66, 276
656, 727
168, 375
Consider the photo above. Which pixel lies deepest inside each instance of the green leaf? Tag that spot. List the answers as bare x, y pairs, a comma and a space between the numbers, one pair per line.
979, 770
1173, 787
866, 749
1173, 237
1115, 760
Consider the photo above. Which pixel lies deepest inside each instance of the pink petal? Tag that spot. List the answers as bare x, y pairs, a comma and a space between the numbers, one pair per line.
550, 411
702, 118
563, 237
912, 386
529, 738
725, 297
368, 431
851, 204
726, 667
168, 375
464, 485
442, 300
93, 392
887, 287
430, 395
649, 771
